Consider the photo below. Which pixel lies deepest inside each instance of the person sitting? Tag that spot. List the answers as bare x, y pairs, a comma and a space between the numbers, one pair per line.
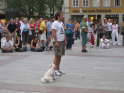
18, 44
36, 45
7, 44
104, 43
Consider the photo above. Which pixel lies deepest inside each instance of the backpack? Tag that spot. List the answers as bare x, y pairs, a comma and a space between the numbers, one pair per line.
68, 31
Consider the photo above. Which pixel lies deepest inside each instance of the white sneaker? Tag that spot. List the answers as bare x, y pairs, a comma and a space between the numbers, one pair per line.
58, 73
48, 76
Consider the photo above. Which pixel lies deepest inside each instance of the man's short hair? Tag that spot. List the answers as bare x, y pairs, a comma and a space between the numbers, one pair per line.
58, 14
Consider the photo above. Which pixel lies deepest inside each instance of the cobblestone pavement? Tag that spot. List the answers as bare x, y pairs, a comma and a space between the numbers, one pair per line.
98, 71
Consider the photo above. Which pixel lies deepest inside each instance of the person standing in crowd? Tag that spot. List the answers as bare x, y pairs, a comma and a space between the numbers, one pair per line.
69, 34
32, 30
58, 35
1, 31
25, 27
99, 32
42, 33
12, 28
91, 35
110, 21
37, 28
115, 36
18, 25
108, 28
84, 33
49, 33
5, 29
21, 21
77, 30
122, 32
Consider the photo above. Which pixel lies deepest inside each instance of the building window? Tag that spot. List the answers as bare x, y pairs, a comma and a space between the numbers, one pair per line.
106, 3
85, 3
96, 3
117, 2
75, 3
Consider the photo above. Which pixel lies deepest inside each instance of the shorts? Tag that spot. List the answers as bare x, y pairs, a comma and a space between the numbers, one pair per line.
43, 36
49, 34
59, 51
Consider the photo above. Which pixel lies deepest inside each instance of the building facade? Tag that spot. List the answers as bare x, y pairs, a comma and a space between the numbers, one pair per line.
99, 9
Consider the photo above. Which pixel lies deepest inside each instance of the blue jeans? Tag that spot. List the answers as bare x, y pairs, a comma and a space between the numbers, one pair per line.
69, 41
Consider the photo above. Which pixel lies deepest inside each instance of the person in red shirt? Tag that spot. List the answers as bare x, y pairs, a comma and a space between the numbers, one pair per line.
37, 28
18, 24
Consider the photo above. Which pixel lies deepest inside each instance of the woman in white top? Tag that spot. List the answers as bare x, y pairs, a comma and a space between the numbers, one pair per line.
115, 37
1, 31
25, 33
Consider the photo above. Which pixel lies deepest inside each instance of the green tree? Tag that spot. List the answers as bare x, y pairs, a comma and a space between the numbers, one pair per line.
31, 7
54, 5
41, 7
16, 6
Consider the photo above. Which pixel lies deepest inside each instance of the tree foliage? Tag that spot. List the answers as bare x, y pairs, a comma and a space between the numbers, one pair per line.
32, 7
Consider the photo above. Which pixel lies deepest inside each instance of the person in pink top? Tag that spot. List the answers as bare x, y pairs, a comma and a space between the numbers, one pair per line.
115, 37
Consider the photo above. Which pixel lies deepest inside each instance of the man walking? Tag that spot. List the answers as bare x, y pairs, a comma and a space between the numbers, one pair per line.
58, 36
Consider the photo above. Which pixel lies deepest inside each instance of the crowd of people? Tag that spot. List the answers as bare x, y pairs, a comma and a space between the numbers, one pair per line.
99, 34
23, 34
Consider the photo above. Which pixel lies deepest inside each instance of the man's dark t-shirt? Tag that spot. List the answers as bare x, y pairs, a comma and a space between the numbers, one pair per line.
12, 27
